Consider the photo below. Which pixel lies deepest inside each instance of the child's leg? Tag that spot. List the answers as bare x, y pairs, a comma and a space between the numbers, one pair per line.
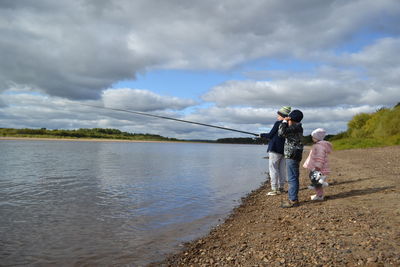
293, 178
274, 160
320, 191
282, 172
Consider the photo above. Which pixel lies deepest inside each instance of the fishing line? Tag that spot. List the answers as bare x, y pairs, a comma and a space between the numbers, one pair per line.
169, 118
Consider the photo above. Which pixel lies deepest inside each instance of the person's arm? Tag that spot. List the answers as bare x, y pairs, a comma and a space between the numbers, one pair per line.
273, 131
283, 128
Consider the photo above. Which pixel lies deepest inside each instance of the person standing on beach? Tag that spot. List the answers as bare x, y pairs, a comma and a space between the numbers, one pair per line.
276, 161
317, 163
292, 130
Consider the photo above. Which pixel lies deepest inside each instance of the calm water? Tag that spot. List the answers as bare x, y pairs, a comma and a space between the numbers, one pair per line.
101, 203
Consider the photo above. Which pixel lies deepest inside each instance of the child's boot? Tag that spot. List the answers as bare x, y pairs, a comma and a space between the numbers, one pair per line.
317, 198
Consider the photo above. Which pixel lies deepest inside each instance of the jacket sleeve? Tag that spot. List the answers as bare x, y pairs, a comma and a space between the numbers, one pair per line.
283, 129
273, 131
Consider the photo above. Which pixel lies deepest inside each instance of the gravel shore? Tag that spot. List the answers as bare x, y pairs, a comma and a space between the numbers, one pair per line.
357, 225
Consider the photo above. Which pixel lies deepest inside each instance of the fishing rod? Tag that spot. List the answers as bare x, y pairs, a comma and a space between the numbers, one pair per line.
169, 118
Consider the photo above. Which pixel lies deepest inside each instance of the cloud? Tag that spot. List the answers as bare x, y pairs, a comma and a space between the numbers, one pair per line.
298, 92
142, 100
293, 92
368, 77
63, 49
22, 109
76, 49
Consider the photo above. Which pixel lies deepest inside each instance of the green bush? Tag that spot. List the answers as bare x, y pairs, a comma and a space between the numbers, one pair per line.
357, 124
381, 128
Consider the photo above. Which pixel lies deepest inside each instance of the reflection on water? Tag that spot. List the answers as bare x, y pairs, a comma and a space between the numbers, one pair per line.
115, 203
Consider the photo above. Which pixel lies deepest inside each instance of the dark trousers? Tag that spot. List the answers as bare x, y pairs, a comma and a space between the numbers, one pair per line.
293, 178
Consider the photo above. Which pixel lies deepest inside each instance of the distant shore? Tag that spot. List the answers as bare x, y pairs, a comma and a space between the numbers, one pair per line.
114, 140
89, 140
357, 225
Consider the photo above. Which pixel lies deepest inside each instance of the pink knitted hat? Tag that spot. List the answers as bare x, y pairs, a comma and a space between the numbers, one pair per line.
319, 134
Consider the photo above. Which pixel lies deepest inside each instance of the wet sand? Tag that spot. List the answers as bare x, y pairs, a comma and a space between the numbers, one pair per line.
357, 225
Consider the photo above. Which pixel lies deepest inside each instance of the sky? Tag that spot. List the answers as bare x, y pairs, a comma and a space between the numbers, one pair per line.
230, 63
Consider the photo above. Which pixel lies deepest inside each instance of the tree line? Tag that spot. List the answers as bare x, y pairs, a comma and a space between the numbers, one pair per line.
82, 133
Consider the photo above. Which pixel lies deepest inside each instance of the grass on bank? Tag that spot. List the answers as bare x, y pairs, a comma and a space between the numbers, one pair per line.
349, 143
381, 128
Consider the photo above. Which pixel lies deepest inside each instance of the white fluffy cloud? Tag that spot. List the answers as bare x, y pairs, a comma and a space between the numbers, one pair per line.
295, 92
142, 100
23, 109
369, 77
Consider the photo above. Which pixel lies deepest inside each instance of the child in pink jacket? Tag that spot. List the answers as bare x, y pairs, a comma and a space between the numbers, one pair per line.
317, 163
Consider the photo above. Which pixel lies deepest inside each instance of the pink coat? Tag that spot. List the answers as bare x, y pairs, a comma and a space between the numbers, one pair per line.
318, 157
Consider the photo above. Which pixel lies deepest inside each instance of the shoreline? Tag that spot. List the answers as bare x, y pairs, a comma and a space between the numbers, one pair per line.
10, 138
88, 140
358, 224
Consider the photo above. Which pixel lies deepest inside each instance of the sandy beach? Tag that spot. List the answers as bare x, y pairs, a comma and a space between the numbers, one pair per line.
357, 225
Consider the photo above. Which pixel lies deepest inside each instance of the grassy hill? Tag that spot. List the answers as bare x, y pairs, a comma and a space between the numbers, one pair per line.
381, 128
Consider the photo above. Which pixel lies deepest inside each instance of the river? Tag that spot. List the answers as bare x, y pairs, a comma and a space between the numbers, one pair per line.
116, 203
